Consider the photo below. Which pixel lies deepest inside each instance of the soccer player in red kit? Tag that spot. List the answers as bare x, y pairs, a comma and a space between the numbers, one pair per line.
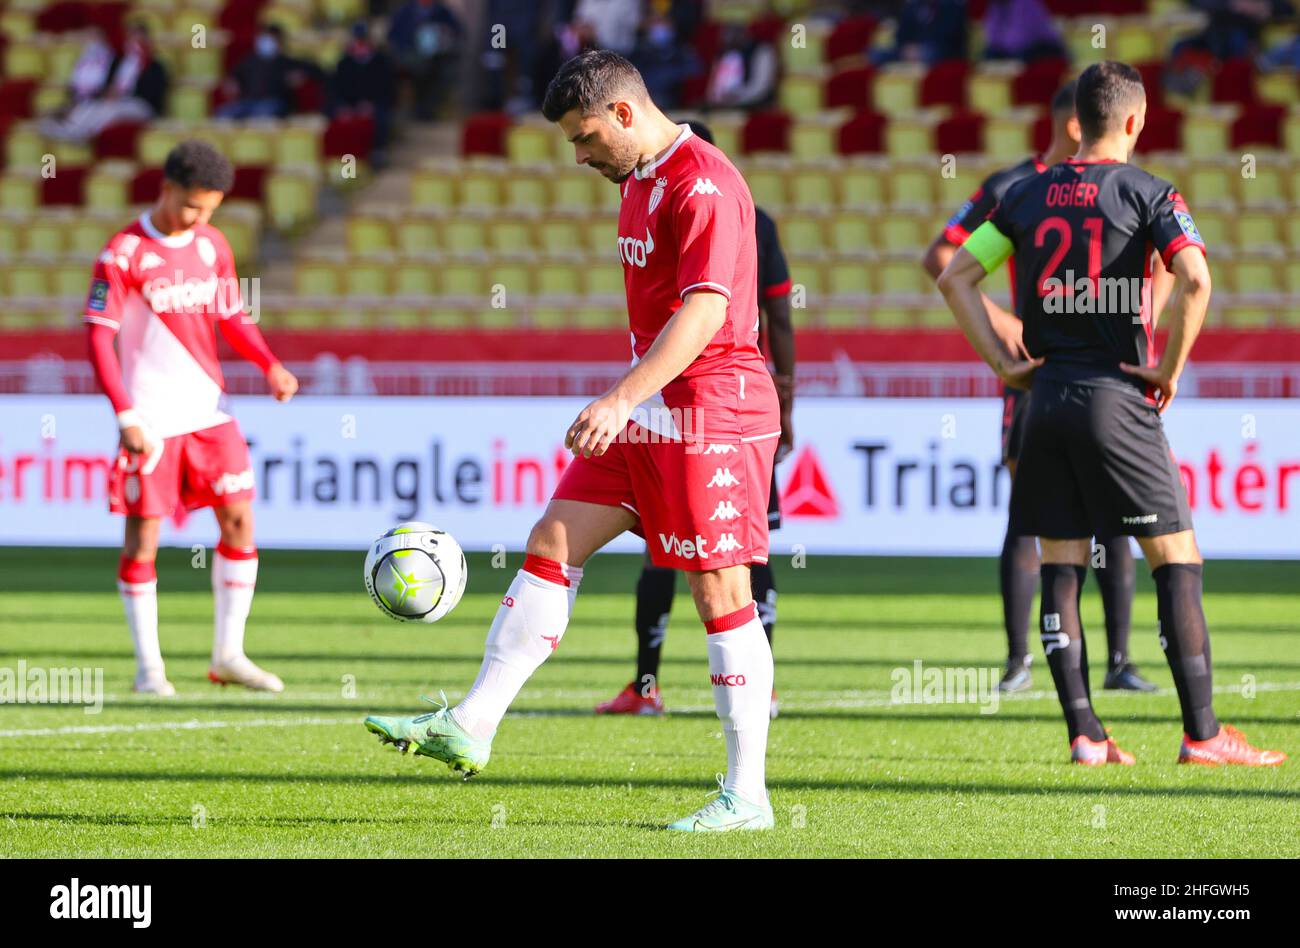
158, 287
680, 450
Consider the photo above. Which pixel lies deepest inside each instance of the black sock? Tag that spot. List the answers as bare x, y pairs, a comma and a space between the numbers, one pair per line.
763, 585
1117, 581
1018, 569
654, 603
1186, 641
1062, 632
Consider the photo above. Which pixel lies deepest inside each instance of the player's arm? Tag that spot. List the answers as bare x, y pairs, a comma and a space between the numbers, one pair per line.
244, 336
1184, 320
1162, 285
678, 344
986, 250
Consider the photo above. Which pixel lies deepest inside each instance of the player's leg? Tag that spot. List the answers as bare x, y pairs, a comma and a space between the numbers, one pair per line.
234, 580
1018, 562
137, 584
1176, 567
763, 583
1115, 571
655, 588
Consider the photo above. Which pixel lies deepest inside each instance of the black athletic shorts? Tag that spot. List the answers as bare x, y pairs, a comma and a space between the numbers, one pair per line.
773, 505
1015, 405
1095, 462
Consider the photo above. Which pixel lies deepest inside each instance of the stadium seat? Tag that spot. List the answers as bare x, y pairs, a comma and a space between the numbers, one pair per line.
945, 84
466, 279
573, 190
417, 234
849, 88
1265, 187
19, 192
106, 186
1258, 229
911, 184
45, 235
561, 236
900, 231
989, 87
850, 38
805, 232
766, 132
1258, 124
370, 233
479, 190
1038, 82
960, 133
1132, 40
604, 279
850, 278
27, 280
253, 143
526, 192
1213, 222
864, 133
560, 281
511, 282
530, 143
900, 275
1279, 88
811, 188
845, 316
510, 235
118, 141
1209, 180
24, 147
485, 134
1256, 273
813, 139
767, 187
1205, 132
299, 141
1163, 131
433, 189
464, 236
1006, 137
599, 236
291, 197
805, 51
1233, 82
907, 137
895, 89
800, 95
190, 101
860, 186
850, 233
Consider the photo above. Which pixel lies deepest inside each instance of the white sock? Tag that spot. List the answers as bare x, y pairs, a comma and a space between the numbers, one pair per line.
528, 627
740, 667
233, 582
140, 602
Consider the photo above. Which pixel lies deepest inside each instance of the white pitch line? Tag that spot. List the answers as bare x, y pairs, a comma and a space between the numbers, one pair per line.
880, 701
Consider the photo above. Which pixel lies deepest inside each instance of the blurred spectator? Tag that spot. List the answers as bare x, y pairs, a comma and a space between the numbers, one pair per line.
664, 62
1232, 30
265, 80
365, 82
511, 54
1020, 29
135, 91
927, 31
426, 37
611, 24
1285, 55
91, 70
745, 73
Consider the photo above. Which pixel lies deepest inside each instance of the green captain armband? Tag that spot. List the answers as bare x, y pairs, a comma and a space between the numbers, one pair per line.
989, 246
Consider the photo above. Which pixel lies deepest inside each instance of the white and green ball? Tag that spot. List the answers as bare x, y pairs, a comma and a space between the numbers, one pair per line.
416, 572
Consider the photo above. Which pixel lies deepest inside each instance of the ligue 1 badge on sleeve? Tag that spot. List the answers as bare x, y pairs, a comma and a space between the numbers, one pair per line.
657, 194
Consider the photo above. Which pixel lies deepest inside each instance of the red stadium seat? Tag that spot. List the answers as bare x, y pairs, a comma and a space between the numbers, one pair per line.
1258, 125
1038, 82
62, 17
250, 183
145, 185
851, 37
766, 131
1163, 131
694, 89
485, 134
945, 84
118, 141
354, 135
768, 29
1040, 136
1153, 72
66, 187
863, 134
110, 17
707, 40
16, 98
960, 133
849, 88
1234, 82
309, 96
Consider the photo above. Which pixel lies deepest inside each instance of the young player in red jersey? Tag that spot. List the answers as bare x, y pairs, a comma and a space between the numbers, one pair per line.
158, 287
680, 450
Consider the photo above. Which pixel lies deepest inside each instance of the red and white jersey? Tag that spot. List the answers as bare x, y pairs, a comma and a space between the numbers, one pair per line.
164, 295
686, 224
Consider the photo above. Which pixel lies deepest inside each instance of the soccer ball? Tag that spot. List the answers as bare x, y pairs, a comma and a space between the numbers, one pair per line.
416, 572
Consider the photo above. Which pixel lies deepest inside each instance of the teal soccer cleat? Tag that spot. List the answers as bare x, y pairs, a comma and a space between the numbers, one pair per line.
728, 811
434, 735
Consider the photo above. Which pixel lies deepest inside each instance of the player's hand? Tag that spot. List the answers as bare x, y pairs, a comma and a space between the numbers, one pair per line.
1012, 334
1018, 373
134, 441
786, 442
597, 425
1165, 386
283, 382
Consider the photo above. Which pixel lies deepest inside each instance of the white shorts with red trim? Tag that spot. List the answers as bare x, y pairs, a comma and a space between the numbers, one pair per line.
700, 506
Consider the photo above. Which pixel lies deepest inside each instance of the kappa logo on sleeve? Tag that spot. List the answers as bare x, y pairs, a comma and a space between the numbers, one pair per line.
704, 186
98, 296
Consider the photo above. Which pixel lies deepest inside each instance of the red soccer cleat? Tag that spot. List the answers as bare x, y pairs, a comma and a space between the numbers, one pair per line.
630, 701
1095, 753
1229, 746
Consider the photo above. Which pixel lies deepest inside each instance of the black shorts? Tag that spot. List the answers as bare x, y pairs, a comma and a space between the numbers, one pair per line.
1015, 406
774, 505
1095, 462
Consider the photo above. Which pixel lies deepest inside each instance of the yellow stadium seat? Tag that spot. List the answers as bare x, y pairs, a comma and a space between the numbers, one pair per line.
561, 236
901, 231
510, 283
767, 187
417, 235
934, 317
1007, 136
600, 236
608, 195
510, 235
850, 278
253, 143
573, 190
415, 277
189, 101
901, 275
464, 235
812, 140
1259, 229
804, 49
1132, 40
1078, 37
812, 188
479, 191
1205, 132
885, 316
1247, 317
1209, 181
317, 277
1279, 87
850, 233
489, 317
464, 279
291, 197
11, 237
1291, 279
549, 317
604, 279
28, 280
908, 136
433, 189
911, 185
369, 234
1253, 274
861, 187
18, 25
989, 88
342, 11
299, 141
19, 192
844, 317
1266, 188
155, 142
24, 148
526, 192
726, 135
597, 317
895, 89
44, 235
809, 279
70, 280
1291, 226
562, 280
26, 61
801, 95
1213, 225
803, 233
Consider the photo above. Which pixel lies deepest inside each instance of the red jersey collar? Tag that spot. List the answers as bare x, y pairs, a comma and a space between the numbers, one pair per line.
653, 165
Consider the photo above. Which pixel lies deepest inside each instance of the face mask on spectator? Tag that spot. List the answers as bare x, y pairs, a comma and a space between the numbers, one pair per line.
266, 46
660, 34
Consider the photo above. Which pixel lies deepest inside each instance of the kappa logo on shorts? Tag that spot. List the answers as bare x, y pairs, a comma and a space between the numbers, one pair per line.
233, 483
723, 477
686, 549
726, 543
720, 449
726, 510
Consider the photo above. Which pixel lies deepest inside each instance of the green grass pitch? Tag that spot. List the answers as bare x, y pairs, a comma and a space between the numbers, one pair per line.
222, 772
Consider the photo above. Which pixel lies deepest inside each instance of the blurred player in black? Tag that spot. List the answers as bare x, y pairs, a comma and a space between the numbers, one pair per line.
656, 587
1018, 564
1095, 461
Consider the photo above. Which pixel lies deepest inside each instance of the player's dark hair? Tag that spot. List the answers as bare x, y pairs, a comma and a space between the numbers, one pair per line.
701, 130
591, 82
1063, 101
1104, 94
196, 164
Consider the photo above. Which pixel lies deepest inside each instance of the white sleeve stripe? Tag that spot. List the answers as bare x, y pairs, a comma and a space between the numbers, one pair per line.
725, 291
102, 320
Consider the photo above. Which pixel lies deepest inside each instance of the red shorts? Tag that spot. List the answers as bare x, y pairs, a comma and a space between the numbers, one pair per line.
699, 506
208, 468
